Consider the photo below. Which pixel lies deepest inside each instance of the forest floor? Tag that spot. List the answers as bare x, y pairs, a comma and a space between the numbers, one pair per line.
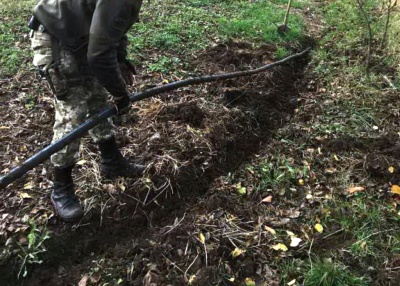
250, 181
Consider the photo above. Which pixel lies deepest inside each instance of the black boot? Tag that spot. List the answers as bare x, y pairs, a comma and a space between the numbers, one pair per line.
63, 195
114, 164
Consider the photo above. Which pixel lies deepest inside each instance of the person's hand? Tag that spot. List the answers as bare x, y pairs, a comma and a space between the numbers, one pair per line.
127, 72
122, 104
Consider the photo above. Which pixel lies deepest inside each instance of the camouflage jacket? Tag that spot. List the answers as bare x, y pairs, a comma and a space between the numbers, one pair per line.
98, 25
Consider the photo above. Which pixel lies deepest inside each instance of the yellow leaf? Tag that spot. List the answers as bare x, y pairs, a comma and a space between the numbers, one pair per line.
395, 189
318, 227
336, 157
4, 127
191, 279
290, 233
202, 238
280, 246
241, 191
165, 81
391, 169
28, 186
122, 187
353, 190
249, 282
309, 197
330, 170
81, 162
291, 282
237, 251
295, 241
267, 199
24, 196
301, 182
270, 230
232, 279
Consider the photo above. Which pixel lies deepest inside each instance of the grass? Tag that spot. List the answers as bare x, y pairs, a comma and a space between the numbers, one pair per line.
278, 174
353, 105
31, 252
208, 23
328, 273
364, 226
14, 33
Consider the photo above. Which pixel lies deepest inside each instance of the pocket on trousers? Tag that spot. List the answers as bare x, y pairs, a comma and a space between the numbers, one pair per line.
41, 46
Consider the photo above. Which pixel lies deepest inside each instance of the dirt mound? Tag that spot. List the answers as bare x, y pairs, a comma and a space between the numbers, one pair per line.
149, 229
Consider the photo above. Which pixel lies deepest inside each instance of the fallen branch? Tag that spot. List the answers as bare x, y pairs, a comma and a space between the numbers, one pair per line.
81, 130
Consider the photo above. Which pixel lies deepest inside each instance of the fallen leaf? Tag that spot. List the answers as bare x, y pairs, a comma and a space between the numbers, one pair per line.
290, 233
241, 191
237, 251
301, 182
353, 190
81, 162
318, 227
309, 197
4, 127
280, 246
202, 238
270, 230
295, 241
83, 281
232, 279
267, 199
291, 282
330, 170
95, 277
391, 169
249, 282
23, 240
395, 189
25, 196
336, 157
110, 188
28, 186
191, 279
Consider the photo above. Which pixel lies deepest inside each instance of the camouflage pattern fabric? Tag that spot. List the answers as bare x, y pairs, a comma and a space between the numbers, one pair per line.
78, 95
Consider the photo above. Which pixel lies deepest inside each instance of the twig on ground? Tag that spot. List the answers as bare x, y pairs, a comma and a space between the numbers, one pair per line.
173, 264
333, 233
175, 224
191, 264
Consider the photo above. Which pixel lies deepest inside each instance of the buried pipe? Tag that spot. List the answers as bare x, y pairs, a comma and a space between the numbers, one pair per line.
82, 129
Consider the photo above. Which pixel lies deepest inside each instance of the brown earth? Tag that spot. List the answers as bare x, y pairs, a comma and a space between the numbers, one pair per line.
180, 222
190, 138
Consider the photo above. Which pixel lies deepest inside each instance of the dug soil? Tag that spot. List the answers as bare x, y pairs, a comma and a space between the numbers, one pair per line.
179, 222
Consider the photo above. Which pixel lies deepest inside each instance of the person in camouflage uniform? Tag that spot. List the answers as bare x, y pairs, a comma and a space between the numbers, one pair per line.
80, 46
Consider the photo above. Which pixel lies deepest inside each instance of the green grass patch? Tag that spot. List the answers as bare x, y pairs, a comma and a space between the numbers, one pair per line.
182, 28
14, 35
329, 273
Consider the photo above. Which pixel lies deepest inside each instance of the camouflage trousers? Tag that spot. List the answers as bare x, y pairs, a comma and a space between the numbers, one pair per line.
77, 95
